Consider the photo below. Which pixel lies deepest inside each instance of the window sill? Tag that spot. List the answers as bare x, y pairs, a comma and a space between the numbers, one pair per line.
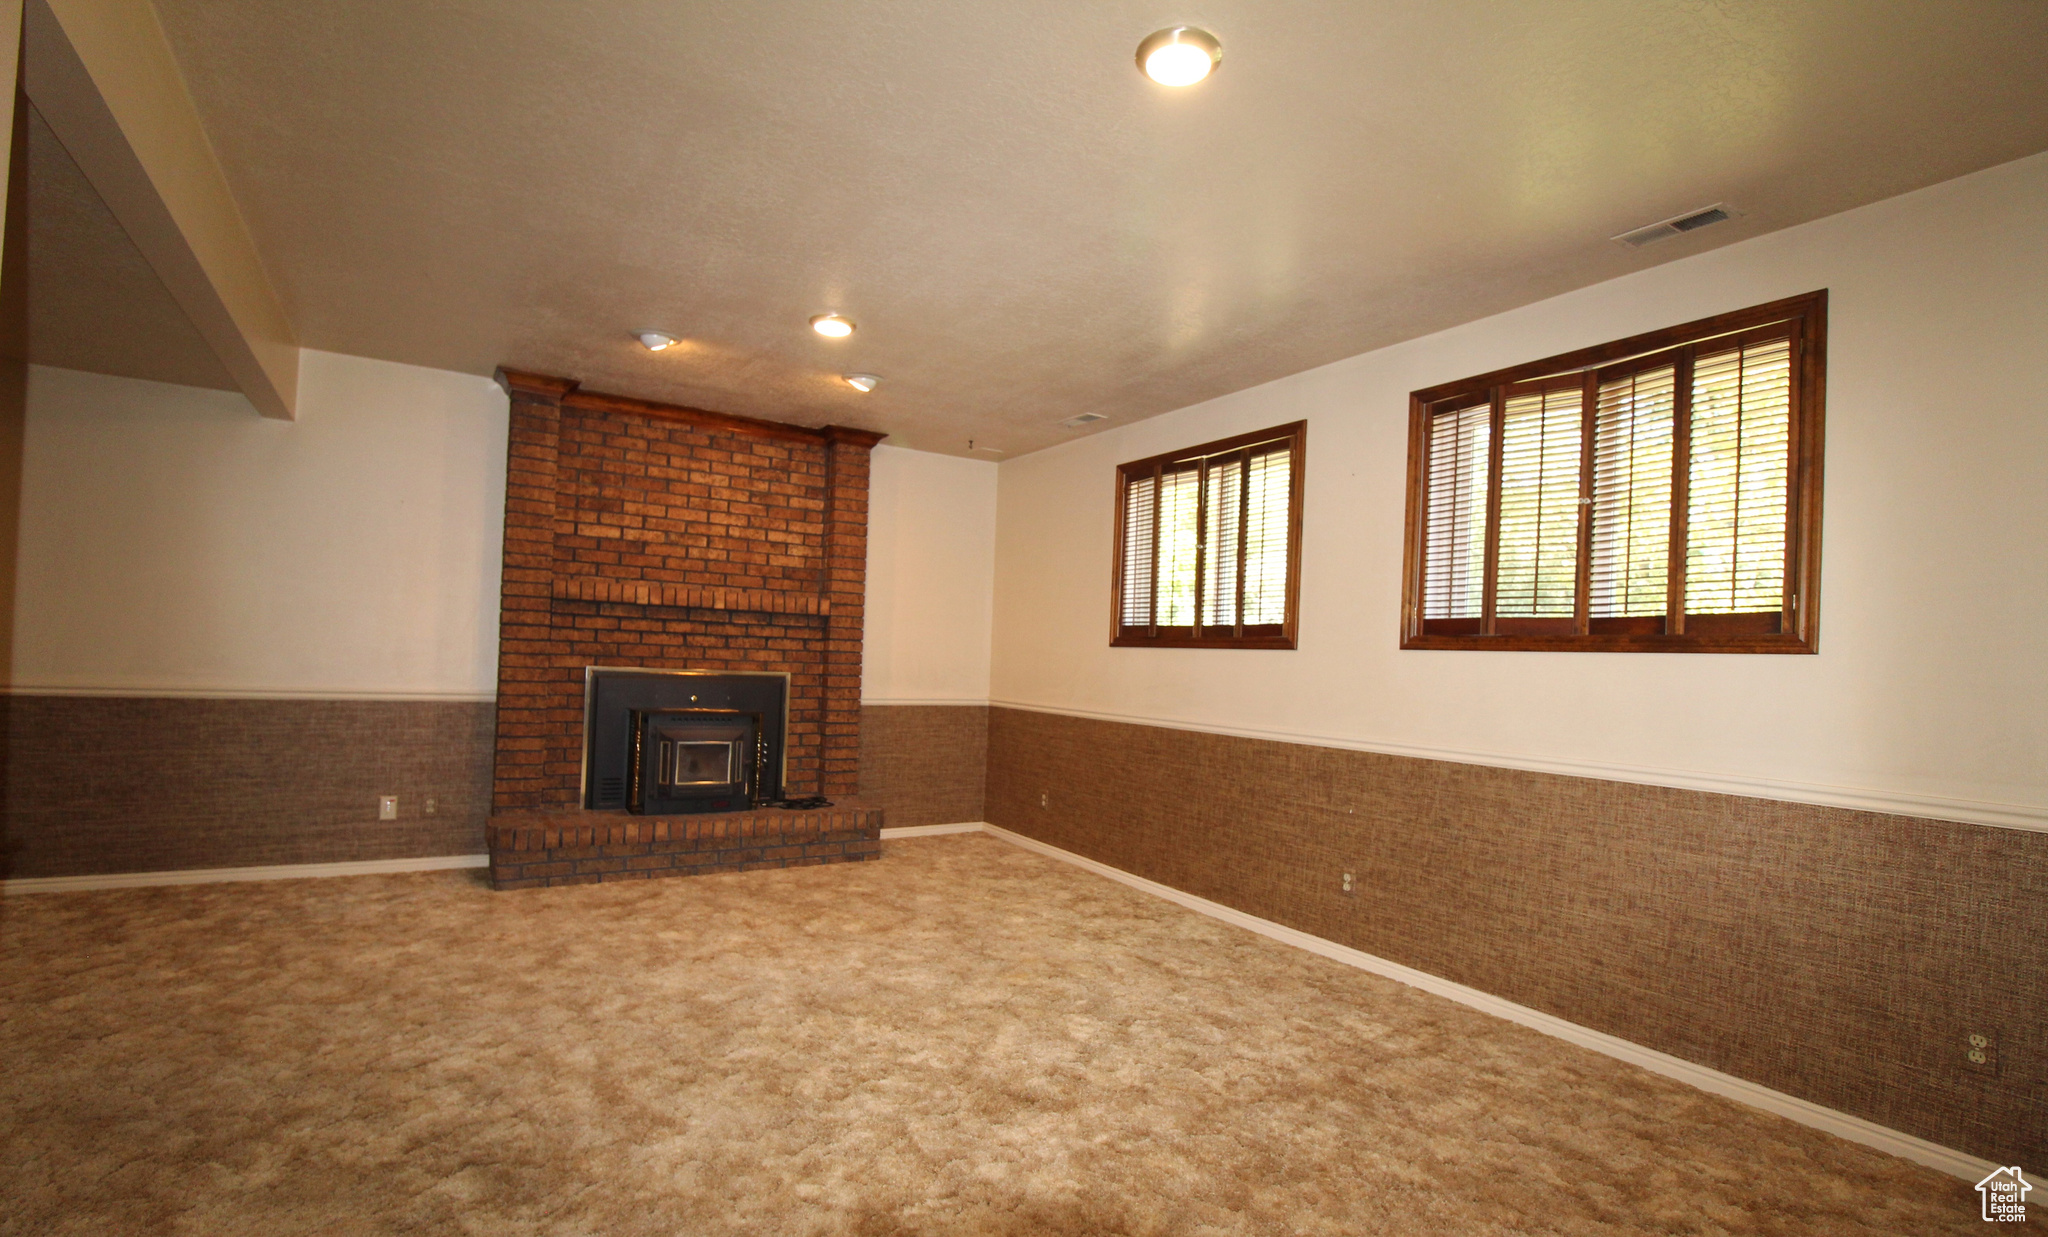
1183, 640
1613, 644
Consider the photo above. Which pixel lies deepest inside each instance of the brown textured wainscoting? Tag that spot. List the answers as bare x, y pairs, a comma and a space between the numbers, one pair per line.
1836, 955
142, 784
924, 764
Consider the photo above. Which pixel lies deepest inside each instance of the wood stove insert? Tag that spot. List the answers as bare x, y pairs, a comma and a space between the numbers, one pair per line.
680, 741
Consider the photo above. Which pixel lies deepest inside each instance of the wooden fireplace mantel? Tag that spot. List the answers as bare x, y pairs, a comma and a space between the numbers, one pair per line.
690, 596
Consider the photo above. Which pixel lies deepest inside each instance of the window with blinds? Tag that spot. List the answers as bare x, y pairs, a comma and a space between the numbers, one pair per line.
1208, 544
1659, 493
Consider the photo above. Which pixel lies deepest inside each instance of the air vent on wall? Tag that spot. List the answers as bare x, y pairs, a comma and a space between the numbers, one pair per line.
1086, 418
1677, 225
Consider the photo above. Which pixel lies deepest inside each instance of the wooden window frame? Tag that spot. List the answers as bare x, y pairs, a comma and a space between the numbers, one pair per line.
1217, 637
1799, 620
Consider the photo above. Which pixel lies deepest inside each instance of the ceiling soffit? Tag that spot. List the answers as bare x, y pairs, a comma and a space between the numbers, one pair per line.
94, 302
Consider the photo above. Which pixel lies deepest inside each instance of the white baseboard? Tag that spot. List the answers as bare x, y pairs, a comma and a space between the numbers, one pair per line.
1855, 1129
209, 876
926, 831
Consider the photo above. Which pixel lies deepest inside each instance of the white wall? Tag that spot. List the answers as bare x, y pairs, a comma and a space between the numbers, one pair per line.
1929, 693
931, 578
172, 540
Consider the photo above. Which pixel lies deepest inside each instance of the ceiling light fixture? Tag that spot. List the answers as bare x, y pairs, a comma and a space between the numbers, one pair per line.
655, 341
1179, 55
832, 326
862, 382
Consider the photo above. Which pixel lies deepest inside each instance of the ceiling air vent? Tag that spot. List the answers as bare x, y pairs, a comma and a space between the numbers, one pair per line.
1086, 418
1690, 221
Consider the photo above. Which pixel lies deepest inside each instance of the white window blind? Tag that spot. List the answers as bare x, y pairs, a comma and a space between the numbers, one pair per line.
1737, 481
1134, 608
1631, 567
1208, 536
1178, 506
1223, 494
1267, 522
1460, 459
1539, 503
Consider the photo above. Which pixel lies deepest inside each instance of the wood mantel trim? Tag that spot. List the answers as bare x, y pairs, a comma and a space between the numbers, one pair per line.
570, 394
519, 382
851, 436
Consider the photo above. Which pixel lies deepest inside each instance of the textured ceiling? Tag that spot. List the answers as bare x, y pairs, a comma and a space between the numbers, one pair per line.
1023, 226
93, 301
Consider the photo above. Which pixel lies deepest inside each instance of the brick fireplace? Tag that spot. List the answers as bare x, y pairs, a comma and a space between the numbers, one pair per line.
653, 536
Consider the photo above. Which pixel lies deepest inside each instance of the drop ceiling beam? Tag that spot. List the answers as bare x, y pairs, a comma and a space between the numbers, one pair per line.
103, 76
10, 62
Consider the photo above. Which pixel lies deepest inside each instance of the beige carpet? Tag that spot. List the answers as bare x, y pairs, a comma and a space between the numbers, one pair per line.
961, 1038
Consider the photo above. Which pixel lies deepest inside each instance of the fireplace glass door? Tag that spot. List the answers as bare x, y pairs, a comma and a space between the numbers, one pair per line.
695, 760
686, 764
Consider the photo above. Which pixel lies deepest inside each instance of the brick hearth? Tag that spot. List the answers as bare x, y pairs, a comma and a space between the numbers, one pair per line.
532, 849
649, 535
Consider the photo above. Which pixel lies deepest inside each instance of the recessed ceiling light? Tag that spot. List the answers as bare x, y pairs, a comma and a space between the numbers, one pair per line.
655, 341
1179, 55
832, 325
862, 382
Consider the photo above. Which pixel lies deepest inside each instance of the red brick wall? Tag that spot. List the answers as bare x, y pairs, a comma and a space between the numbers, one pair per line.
641, 534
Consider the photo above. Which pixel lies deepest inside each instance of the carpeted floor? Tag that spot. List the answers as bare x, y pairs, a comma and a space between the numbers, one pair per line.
961, 1038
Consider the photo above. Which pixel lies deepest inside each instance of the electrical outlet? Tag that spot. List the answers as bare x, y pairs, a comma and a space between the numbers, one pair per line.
387, 807
1044, 798
1980, 1051
428, 807
1350, 885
